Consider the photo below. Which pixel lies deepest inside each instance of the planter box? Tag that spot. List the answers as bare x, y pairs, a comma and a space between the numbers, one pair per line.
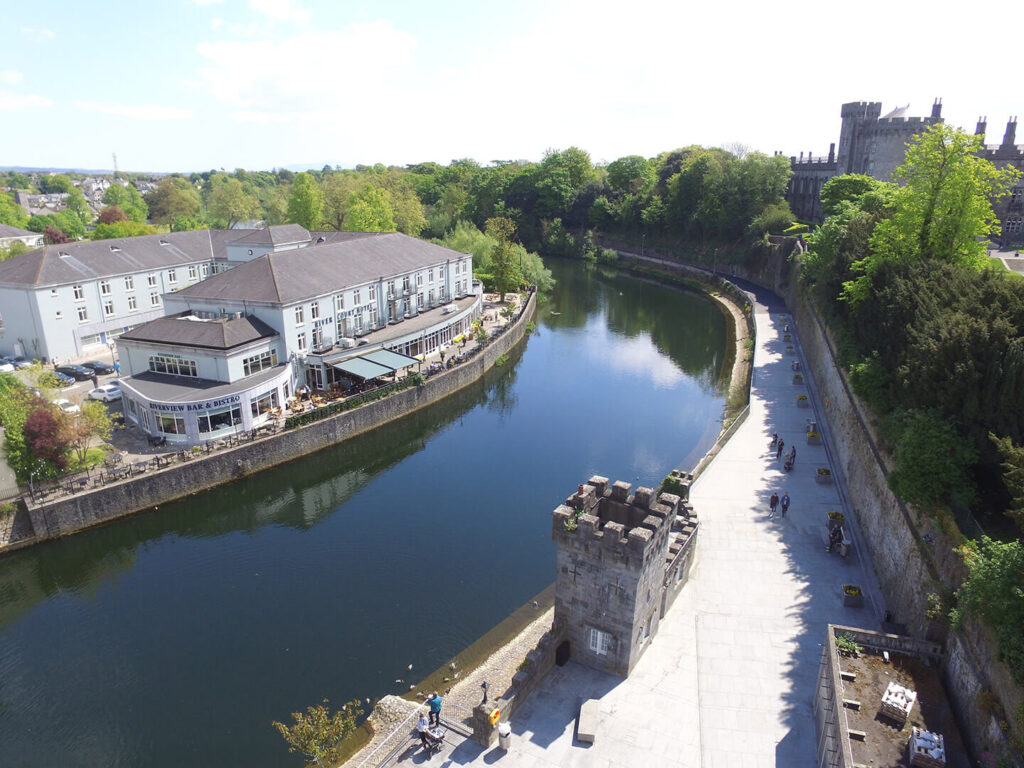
803, 402
853, 601
787, 337
813, 439
798, 380
790, 350
822, 479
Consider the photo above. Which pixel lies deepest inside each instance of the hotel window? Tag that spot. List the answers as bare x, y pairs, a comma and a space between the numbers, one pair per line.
174, 366
318, 338
193, 273
222, 418
132, 306
264, 403
53, 292
108, 308
129, 283
359, 322
600, 642
339, 302
300, 316
104, 287
391, 288
355, 298
458, 267
419, 300
79, 292
83, 314
259, 362
206, 269
430, 275
60, 315
172, 276
373, 317
405, 284
154, 299
314, 311
171, 425
430, 295
419, 278
440, 273
373, 292
151, 280
1013, 226
302, 342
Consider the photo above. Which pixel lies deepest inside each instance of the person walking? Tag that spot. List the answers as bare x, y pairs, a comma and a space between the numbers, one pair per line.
434, 702
792, 455
784, 503
778, 451
773, 502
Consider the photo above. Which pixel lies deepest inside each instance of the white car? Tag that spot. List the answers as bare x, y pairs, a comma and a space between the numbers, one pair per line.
67, 406
6, 368
106, 393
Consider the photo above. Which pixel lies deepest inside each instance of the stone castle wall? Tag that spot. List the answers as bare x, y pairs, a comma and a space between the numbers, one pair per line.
68, 515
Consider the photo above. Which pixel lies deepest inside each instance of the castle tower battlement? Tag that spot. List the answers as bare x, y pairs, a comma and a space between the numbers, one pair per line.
613, 551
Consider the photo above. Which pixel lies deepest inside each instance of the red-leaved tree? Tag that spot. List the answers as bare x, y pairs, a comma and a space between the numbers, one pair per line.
42, 431
112, 213
53, 236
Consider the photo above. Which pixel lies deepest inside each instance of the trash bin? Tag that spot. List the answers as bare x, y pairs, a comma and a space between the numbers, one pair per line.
504, 736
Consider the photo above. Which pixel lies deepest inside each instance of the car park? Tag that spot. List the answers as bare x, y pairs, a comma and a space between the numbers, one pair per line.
77, 372
101, 368
106, 393
67, 406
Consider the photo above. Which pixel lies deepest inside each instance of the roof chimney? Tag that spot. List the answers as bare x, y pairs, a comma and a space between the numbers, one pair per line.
937, 109
981, 127
1009, 138
832, 152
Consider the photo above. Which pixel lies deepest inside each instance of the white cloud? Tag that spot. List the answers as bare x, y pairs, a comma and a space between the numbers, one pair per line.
216, 24
37, 34
281, 10
136, 111
9, 100
10, 77
207, 2
367, 65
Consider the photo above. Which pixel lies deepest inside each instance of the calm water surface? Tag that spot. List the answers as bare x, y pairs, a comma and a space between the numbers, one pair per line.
173, 638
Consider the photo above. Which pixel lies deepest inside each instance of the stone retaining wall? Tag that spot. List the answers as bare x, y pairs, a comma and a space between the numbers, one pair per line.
68, 515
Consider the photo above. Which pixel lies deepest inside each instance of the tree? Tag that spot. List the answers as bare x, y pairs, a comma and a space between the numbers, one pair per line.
186, 224
1013, 475
53, 236
110, 214
306, 202
11, 213
79, 429
932, 461
42, 434
76, 204
943, 209
128, 199
317, 733
849, 188
56, 184
173, 198
504, 264
408, 211
338, 189
631, 174
121, 229
229, 201
370, 210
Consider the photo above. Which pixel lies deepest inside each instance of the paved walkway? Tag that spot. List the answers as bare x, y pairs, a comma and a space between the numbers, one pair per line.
729, 678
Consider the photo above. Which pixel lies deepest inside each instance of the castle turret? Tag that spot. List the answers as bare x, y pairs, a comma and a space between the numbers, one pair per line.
981, 128
937, 109
857, 117
613, 551
1009, 138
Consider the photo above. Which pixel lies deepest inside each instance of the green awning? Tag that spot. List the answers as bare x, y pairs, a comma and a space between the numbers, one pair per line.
364, 369
389, 359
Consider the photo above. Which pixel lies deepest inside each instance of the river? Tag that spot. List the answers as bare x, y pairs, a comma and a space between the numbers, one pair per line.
175, 637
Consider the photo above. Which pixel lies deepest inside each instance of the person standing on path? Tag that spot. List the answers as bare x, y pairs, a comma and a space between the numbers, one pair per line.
792, 455
422, 726
773, 502
435, 709
785, 505
778, 451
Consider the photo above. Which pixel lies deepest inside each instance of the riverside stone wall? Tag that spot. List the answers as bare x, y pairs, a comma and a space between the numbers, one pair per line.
68, 515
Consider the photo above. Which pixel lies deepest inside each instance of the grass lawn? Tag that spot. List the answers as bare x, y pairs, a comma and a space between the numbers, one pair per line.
93, 457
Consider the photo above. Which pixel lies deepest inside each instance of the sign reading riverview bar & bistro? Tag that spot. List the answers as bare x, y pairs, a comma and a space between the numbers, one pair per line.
181, 407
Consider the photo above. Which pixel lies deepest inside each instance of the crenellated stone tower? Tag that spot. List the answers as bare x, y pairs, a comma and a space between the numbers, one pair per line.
621, 560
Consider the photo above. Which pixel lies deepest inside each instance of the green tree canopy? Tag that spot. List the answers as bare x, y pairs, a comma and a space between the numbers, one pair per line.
631, 174
370, 210
11, 213
229, 201
306, 202
128, 199
317, 732
504, 256
56, 184
121, 229
173, 197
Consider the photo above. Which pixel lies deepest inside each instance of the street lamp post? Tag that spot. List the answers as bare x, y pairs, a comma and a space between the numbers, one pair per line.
643, 236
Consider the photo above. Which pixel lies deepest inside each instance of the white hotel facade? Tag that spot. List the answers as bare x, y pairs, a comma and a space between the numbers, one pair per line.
268, 311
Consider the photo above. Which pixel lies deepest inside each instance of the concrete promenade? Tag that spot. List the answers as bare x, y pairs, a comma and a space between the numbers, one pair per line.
729, 678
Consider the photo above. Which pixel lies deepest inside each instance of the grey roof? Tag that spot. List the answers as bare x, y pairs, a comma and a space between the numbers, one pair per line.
6, 230
289, 276
187, 330
162, 387
89, 260
363, 368
390, 359
282, 234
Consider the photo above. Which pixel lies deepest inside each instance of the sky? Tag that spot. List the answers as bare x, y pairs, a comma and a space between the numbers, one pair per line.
192, 85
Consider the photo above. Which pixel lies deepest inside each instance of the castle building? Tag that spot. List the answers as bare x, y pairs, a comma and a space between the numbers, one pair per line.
621, 561
875, 145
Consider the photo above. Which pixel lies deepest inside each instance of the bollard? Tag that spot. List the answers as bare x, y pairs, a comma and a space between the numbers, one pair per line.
505, 736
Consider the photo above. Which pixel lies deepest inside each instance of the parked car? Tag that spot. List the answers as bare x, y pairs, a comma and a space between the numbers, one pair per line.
101, 368
67, 406
106, 393
64, 379
77, 372
6, 367
20, 362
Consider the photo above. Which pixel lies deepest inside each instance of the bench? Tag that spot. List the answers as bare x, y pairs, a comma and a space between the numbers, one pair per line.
586, 725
